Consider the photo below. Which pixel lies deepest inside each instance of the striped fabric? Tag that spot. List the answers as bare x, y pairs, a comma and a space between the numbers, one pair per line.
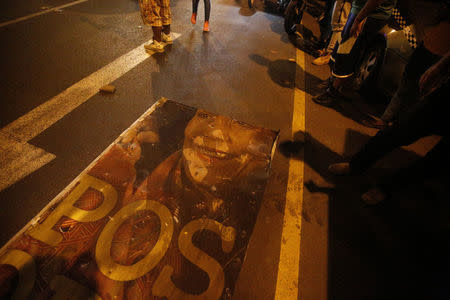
407, 30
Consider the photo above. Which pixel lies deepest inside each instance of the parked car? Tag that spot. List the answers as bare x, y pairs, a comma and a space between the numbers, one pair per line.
383, 62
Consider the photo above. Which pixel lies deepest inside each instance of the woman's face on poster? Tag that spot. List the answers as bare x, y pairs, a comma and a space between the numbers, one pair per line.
218, 150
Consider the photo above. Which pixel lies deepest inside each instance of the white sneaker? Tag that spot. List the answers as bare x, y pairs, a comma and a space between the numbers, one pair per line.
155, 46
166, 38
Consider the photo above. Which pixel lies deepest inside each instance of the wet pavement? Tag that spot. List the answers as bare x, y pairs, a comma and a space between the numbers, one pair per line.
245, 68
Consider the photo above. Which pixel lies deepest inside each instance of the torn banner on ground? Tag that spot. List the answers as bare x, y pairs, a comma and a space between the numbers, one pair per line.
166, 211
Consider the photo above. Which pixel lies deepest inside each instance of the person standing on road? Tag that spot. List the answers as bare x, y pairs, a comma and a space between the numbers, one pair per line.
426, 117
366, 18
431, 26
207, 13
157, 14
341, 10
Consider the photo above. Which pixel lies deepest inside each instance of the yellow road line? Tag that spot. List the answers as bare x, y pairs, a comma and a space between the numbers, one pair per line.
288, 266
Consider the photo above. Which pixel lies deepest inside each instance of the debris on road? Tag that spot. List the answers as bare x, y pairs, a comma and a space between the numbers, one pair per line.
108, 89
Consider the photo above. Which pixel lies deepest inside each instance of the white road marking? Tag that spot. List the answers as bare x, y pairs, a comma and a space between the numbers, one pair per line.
24, 18
17, 160
20, 158
289, 263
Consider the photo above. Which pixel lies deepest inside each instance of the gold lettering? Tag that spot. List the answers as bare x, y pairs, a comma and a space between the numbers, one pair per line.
164, 286
24, 263
43, 232
120, 272
66, 288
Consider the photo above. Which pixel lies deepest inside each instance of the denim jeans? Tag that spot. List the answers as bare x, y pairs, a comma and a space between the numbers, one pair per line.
341, 10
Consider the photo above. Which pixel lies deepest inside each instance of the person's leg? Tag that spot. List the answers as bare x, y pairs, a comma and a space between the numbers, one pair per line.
156, 23
194, 11
339, 19
340, 65
340, 14
166, 19
421, 120
365, 38
325, 25
427, 117
346, 61
207, 9
433, 163
207, 13
408, 91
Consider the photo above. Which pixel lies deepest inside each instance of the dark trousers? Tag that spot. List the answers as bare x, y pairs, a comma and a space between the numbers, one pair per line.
207, 7
407, 93
325, 24
427, 117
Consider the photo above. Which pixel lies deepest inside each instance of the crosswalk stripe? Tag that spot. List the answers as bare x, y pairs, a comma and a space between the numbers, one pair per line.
15, 135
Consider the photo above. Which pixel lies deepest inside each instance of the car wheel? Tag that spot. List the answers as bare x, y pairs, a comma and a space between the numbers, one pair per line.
369, 67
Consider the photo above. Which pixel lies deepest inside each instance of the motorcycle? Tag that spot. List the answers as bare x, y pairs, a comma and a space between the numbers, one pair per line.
281, 5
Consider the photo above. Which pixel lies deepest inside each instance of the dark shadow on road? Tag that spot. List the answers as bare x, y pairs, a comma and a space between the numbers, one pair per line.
284, 73
397, 249
281, 71
246, 12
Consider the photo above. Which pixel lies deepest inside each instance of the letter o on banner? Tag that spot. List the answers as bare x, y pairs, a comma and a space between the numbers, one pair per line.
119, 272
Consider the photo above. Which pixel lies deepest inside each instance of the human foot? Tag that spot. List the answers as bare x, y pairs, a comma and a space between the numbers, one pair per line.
206, 26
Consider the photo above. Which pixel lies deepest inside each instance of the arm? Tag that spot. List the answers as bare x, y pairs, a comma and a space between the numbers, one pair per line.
363, 14
367, 9
435, 75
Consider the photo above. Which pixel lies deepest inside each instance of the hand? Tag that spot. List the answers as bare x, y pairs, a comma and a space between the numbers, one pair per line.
431, 79
357, 27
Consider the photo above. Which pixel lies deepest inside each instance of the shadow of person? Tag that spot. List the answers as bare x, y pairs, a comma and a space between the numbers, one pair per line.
287, 72
246, 11
282, 72
318, 156
364, 239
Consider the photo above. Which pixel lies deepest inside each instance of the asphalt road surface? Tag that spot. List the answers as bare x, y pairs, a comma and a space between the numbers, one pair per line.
313, 239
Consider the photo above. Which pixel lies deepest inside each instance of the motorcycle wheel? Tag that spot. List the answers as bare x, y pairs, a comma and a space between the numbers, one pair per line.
282, 4
369, 67
293, 15
250, 3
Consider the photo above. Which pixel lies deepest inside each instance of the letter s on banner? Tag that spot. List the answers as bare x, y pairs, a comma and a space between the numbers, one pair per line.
119, 272
44, 232
164, 286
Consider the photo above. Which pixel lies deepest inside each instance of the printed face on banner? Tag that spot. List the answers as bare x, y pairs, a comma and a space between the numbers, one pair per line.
167, 211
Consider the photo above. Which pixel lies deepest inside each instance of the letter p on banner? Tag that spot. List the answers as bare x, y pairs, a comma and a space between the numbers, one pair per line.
44, 232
